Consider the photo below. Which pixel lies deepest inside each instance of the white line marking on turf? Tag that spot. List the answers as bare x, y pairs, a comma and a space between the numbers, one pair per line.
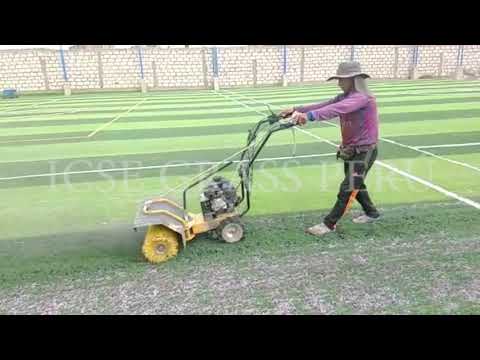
396, 143
428, 153
417, 148
46, 139
16, 118
238, 102
432, 186
432, 155
403, 173
257, 101
29, 106
446, 145
93, 133
159, 167
414, 178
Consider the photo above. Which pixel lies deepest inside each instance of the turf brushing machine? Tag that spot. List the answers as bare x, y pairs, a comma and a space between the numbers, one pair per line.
171, 226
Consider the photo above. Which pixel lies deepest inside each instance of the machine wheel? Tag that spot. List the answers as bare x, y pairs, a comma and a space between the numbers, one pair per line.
231, 231
160, 245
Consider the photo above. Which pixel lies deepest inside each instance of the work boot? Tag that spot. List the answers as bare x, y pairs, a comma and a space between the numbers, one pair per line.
319, 230
365, 219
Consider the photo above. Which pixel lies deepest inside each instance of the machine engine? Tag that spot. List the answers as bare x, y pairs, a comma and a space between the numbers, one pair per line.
218, 197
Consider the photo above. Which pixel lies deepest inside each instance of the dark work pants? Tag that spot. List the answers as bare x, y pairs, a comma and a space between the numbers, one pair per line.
353, 187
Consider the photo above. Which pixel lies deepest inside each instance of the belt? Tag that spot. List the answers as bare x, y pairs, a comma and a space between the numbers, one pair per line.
358, 148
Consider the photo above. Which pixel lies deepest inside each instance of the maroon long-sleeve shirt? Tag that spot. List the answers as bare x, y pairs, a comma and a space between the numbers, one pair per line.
358, 116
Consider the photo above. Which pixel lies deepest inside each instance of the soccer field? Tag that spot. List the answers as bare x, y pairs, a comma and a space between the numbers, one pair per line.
73, 170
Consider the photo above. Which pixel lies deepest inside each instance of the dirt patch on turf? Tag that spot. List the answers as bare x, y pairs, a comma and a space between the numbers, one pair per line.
314, 283
468, 292
260, 286
383, 268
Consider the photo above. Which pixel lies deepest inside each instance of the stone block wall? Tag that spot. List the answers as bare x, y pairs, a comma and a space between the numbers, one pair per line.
174, 68
430, 59
471, 57
322, 61
21, 69
40, 69
378, 61
121, 68
82, 68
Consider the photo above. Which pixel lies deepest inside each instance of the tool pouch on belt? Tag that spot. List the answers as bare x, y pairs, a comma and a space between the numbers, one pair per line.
348, 152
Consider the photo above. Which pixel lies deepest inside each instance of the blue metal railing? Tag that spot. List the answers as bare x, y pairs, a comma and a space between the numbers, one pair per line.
64, 66
460, 55
140, 60
215, 61
415, 55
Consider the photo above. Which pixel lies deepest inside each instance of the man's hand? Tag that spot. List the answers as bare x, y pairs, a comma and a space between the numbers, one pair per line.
299, 118
286, 113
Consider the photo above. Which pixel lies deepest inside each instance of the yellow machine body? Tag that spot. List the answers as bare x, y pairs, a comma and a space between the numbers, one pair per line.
166, 222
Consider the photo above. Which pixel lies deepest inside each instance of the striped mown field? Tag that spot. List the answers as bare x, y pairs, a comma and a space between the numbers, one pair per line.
73, 170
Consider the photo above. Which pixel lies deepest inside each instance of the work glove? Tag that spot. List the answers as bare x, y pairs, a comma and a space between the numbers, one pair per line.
299, 118
286, 113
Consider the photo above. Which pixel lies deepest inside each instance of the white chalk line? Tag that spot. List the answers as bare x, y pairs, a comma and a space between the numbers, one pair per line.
45, 139
240, 103
428, 153
432, 186
29, 106
90, 135
160, 99
93, 133
387, 91
82, 112
160, 167
17, 118
414, 178
79, 98
401, 172
446, 145
402, 145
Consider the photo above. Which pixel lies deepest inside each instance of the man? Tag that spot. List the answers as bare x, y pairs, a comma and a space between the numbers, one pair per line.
357, 111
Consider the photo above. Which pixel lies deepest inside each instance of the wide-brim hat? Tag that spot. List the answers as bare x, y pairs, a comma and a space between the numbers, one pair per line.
349, 69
